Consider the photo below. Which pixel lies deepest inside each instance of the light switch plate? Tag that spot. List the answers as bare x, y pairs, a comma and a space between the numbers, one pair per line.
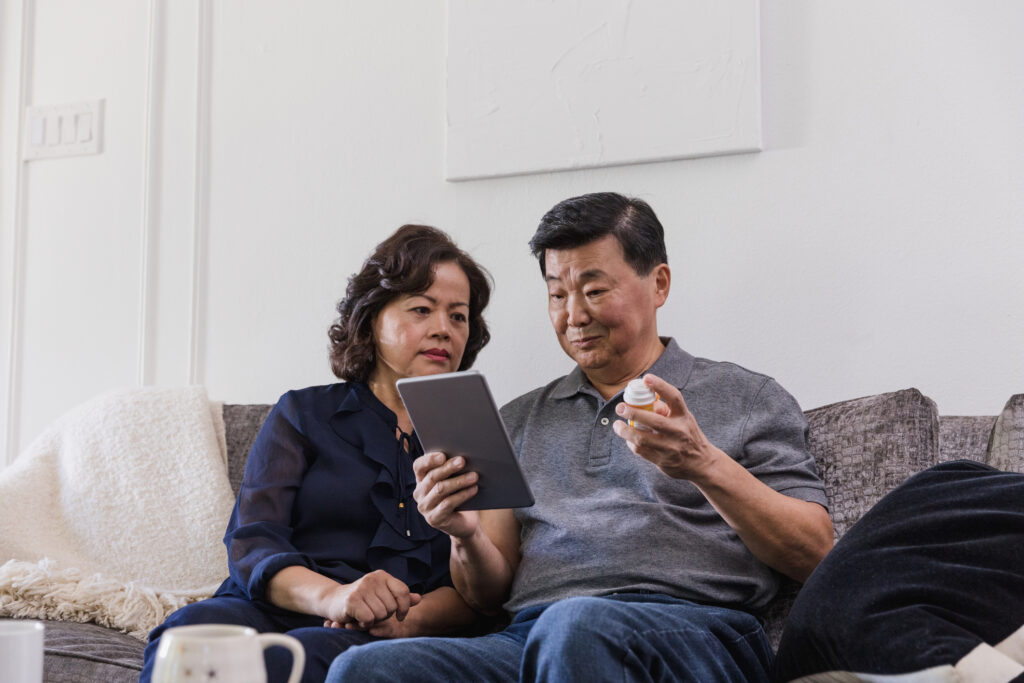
62, 130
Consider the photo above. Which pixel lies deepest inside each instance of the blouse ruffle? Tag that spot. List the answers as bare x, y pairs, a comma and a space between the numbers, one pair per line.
401, 543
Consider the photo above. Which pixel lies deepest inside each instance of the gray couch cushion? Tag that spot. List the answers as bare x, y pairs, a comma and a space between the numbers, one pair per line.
964, 437
87, 653
241, 424
865, 447
1006, 444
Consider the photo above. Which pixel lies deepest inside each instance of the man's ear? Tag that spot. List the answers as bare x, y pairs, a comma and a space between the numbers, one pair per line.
661, 277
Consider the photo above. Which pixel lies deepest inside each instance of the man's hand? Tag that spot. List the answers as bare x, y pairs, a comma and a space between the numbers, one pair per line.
441, 487
371, 600
787, 534
675, 442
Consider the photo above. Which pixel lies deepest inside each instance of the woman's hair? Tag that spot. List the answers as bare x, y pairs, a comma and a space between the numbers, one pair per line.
402, 264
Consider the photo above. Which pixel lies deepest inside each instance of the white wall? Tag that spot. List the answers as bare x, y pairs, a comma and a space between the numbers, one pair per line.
875, 244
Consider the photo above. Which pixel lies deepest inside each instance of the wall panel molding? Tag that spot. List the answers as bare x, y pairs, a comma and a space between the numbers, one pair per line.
150, 190
17, 285
167, 335
201, 192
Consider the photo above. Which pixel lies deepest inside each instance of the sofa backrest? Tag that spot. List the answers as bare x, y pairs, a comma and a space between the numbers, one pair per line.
964, 437
866, 447
863, 448
241, 424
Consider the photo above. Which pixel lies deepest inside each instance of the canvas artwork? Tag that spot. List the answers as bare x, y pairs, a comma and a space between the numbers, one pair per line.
548, 85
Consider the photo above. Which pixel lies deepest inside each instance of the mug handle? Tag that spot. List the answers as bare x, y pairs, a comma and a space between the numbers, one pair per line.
298, 653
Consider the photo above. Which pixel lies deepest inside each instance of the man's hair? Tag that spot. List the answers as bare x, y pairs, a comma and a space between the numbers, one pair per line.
402, 264
581, 220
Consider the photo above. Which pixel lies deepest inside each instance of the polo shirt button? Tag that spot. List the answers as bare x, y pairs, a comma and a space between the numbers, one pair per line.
604, 421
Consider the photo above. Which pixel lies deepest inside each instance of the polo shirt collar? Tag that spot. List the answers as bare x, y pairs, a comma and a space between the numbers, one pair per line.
674, 365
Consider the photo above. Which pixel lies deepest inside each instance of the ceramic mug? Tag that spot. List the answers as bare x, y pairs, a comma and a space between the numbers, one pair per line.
21, 651
220, 653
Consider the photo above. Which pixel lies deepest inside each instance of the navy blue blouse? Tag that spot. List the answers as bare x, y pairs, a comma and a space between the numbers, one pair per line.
328, 486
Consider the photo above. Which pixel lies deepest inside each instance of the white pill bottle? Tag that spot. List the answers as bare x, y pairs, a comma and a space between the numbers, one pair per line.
640, 396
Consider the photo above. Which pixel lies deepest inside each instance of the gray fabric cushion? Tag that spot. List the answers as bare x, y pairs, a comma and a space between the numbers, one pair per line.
241, 424
1006, 444
774, 616
87, 653
964, 438
865, 447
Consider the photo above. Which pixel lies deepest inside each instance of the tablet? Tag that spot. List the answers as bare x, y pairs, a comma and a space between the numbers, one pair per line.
455, 413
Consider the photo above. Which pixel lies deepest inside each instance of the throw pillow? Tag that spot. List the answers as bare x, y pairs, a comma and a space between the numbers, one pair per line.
1006, 444
865, 447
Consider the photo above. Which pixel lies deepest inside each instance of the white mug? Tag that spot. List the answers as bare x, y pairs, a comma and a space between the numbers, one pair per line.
21, 651
220, 653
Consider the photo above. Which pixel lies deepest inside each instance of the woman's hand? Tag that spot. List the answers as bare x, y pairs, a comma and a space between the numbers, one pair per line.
375, 598
438, 613
389, 628
441, 487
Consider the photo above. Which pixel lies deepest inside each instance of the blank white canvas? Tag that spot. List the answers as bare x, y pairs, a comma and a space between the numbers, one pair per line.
545, 85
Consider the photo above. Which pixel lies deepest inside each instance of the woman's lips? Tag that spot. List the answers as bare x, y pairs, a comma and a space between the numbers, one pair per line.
437, 354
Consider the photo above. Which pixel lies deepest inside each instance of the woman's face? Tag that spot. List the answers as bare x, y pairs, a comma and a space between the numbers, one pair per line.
425, 333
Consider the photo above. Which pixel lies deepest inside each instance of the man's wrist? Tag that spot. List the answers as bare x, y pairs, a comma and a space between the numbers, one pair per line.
710, 471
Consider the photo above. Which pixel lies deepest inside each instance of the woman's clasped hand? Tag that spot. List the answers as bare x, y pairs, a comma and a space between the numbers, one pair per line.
368, 603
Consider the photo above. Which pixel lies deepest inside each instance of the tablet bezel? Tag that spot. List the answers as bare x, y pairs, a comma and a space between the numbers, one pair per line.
455, 413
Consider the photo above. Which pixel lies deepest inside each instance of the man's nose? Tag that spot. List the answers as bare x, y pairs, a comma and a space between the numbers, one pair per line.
576, 308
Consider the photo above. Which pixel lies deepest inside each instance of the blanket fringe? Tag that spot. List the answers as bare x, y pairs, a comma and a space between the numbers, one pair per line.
42, 591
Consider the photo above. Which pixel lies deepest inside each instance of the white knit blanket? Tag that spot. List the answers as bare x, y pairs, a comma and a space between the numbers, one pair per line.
115, 514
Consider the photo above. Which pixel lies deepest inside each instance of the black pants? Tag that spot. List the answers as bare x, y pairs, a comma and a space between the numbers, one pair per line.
931, 571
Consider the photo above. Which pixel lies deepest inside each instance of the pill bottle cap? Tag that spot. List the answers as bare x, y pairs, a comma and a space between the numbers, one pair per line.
638, 394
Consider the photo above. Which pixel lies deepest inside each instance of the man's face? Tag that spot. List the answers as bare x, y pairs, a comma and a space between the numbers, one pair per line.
603, 312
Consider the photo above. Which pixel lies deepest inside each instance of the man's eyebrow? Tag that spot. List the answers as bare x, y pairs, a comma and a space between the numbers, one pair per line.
586, 275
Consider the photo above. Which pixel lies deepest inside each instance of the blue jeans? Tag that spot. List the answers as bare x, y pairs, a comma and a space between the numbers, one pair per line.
321, 644
625, 636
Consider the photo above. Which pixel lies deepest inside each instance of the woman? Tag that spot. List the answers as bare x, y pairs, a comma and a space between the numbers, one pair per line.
325, 542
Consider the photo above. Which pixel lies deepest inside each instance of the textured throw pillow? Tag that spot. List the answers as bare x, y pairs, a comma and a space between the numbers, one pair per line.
865, 447
1006, 445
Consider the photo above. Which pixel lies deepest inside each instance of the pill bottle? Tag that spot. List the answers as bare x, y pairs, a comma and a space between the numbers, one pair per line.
639, 395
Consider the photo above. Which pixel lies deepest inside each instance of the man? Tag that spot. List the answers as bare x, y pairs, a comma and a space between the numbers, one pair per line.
646, 551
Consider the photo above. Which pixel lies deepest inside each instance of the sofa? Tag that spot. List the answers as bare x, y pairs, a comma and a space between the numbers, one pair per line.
863, 448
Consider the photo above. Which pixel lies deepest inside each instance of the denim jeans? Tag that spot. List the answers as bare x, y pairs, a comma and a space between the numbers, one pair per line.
627, 637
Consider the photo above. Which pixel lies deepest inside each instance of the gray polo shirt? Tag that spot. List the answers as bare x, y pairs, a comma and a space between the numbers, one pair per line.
607, 521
